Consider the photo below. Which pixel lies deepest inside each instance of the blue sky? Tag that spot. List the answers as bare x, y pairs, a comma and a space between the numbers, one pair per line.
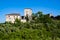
18, 6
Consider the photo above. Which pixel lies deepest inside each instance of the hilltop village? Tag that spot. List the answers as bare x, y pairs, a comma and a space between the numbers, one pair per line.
27, 13
13, 16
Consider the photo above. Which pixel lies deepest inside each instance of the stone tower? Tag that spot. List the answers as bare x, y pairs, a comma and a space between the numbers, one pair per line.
28, 12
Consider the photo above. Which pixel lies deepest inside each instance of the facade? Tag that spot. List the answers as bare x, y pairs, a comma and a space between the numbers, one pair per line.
13, 16
23, 19
28, 13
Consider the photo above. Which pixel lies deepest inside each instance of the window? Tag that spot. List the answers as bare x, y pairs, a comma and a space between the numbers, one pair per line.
8, 16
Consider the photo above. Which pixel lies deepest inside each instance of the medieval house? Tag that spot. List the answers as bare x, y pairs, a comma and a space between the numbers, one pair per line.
13, 16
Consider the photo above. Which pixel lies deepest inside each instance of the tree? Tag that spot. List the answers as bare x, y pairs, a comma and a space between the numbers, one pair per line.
17, 22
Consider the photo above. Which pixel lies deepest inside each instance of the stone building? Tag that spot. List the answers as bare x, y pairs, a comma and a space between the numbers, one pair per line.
13, 16
28, 13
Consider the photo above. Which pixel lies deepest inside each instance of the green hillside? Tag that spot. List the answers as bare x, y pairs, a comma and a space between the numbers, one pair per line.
41, 27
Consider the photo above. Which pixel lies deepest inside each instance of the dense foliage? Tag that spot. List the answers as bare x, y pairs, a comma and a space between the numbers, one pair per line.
41, 27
